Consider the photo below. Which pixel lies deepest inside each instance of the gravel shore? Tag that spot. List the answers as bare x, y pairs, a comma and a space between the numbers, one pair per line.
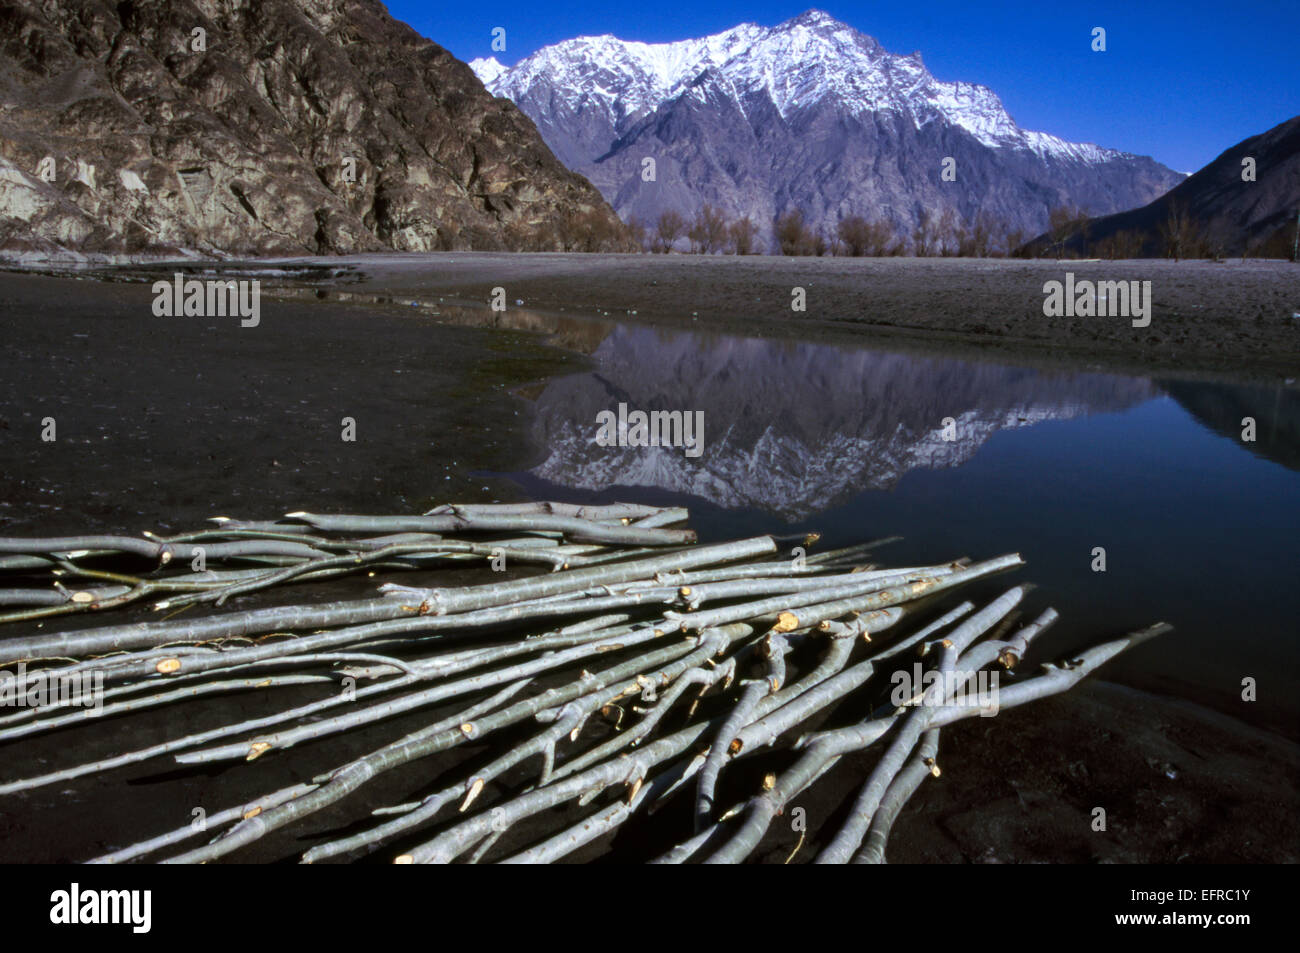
1237, 317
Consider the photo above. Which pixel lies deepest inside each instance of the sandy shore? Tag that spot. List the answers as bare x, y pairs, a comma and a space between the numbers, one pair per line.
1237, 318
1206, 316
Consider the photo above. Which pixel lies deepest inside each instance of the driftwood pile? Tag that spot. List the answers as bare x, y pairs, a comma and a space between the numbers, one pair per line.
646, 663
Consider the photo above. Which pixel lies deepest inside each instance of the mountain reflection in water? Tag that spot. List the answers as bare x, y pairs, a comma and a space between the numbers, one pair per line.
794, 428
1200, 528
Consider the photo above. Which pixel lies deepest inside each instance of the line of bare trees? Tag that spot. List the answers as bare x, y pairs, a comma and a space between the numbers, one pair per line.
937, 234
709, 233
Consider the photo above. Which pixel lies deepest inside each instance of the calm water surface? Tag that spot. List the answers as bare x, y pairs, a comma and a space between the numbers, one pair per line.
1200, 528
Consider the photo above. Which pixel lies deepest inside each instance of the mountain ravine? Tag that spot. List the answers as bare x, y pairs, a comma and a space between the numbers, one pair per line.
265, 127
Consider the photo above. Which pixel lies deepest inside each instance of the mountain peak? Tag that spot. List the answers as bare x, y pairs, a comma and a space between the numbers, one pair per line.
814, 18
487, 68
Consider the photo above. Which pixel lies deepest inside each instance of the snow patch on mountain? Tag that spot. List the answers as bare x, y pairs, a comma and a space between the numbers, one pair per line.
487, 69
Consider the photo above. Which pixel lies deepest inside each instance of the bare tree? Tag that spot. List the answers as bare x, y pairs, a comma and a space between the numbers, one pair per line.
1015, 242
708, 233
949, 232
1066, 222
741, 234
640, 232
1083, 228
883, 240
792, 235
925, 235
1060, 226
855, 233
1128, 244
1215, 240
669, 228
1178, 232
976, 241
873, 238
589, 231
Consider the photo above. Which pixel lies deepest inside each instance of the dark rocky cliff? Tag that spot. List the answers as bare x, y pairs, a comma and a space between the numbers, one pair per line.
303, 127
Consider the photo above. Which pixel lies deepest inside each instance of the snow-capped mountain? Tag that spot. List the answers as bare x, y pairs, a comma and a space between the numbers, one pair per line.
810, 113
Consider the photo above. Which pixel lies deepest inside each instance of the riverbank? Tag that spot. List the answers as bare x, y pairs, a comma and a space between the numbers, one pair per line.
1232, 317
1206, 316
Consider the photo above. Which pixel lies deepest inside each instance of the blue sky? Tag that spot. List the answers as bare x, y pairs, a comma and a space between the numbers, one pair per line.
1180, 81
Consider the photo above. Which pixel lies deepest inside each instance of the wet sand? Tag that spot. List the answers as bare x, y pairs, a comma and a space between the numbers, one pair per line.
1179, 784
164, 422
162, 425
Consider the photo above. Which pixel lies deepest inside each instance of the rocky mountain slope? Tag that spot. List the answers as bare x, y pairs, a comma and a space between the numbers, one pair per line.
264, 127
810, 114
1215, 211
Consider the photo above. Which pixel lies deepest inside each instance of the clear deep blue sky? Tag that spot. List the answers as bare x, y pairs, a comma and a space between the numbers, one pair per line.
1180, 81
